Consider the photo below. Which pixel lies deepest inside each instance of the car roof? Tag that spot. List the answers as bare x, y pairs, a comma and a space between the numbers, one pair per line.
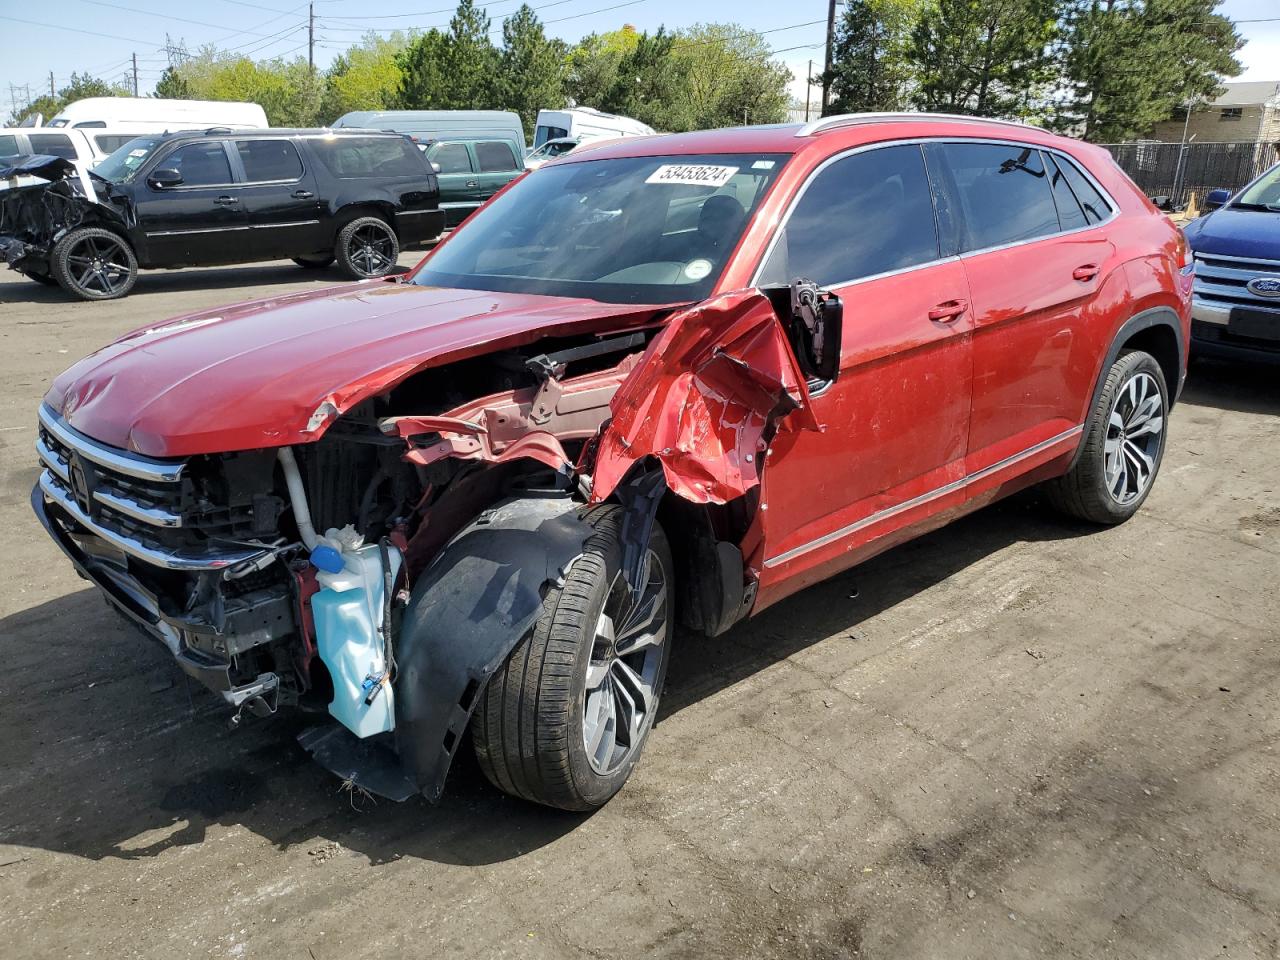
273, 132
822, 136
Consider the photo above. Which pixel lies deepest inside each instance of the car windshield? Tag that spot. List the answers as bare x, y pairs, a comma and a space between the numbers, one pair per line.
1264, 194
630, 230
123, 163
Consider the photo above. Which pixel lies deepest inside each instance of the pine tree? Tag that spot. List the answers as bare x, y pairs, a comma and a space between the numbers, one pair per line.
984, 57
531, 69
870, 70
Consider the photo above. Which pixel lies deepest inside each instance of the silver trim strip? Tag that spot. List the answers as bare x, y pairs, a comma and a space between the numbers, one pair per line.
852, 119
922, 499
917, 141
1203, 257
291, 223
133, 465
177, 559
180, 233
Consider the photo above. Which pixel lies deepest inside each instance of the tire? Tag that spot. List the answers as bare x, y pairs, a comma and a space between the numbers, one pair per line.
535, 717
94, 264
367, 248
313, 263
1124, 443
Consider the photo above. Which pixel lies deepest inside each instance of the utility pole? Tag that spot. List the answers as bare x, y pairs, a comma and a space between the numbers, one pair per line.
311, 37
808, 86
831, 42
135, 74
51, 91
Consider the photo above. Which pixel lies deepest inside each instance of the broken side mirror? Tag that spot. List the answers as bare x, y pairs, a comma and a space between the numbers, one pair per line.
815, 323
165, 178
1216, 198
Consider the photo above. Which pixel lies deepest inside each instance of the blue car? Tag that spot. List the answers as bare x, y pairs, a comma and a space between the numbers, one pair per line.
1236, 307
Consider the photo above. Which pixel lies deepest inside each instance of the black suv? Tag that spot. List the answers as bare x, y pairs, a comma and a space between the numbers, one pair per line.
201, 198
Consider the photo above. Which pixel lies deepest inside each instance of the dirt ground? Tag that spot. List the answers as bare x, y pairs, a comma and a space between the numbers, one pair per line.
1015, 737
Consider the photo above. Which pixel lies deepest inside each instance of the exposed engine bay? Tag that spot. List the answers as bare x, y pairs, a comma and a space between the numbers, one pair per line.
329, 552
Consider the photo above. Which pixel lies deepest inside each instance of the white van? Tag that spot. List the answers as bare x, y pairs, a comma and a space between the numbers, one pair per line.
584, 123
151, 115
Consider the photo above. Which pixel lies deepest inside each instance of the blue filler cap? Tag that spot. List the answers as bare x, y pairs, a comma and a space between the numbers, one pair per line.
327, 559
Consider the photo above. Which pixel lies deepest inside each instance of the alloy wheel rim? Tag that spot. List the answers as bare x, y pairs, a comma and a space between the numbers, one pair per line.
627, 652
1135, 431
372, 250
94, 264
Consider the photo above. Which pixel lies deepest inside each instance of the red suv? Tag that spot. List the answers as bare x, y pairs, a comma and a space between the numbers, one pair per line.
665, 380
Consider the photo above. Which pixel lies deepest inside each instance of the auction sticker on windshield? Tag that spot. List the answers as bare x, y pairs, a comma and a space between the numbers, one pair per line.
692, 174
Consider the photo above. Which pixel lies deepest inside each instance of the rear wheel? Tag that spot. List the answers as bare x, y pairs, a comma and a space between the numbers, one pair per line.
314, 263
1123, 444
367, 248
564, 720
94, 264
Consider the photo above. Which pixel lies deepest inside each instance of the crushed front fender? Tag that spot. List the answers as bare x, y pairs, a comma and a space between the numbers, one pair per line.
705, 400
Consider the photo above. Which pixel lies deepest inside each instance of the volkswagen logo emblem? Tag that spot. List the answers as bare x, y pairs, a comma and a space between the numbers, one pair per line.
1264, 286
80, 486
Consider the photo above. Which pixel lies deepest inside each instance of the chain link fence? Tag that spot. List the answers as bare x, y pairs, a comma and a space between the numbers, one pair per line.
1176, 171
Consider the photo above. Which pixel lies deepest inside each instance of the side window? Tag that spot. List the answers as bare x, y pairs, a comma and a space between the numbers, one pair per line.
866, 214
1096, 208
354, 157
53, 144
452, 157
1004, 193
269, 160
8, 146
111, 142
495, 156
201, 164
1070, 214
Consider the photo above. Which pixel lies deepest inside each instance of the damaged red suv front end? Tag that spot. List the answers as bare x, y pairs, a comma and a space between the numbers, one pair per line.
387, 501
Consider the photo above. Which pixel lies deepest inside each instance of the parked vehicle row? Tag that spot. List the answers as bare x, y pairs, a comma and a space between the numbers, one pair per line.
215, 197
659, 381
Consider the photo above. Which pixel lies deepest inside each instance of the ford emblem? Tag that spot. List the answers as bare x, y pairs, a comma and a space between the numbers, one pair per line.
1264, 286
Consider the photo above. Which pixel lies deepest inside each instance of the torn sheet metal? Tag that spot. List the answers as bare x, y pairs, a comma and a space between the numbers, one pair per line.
705, 400
33, 217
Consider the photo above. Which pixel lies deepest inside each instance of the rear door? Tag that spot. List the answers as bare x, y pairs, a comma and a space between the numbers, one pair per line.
497, 165
1035, 264
896, 419
279, 199
200, 221
459, 180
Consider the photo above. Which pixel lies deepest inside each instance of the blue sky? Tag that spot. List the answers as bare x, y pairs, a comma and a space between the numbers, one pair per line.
101, 35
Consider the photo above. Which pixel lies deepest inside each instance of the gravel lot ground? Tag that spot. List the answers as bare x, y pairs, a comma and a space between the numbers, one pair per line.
1014, 737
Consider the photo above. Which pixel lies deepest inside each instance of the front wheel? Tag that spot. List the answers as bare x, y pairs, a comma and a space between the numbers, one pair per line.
94, 264
1123, 444
564, 720
367, 248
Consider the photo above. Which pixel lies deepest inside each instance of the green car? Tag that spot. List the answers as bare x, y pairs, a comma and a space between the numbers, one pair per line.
470, 172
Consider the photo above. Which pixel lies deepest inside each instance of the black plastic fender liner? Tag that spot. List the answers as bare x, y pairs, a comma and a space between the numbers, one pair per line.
467, 612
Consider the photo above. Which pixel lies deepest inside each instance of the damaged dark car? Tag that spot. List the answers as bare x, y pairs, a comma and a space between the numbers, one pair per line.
667, 381
206, 198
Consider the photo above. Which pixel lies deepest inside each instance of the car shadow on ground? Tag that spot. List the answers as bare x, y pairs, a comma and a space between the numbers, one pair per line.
251, 276
111, 753
1233, 385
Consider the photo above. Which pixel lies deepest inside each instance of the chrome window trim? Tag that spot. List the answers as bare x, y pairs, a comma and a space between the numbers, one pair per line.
182, 188
874, 518
921, 141
133, 465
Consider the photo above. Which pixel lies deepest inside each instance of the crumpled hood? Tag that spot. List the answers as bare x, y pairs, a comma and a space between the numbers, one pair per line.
257, 374
1236, 233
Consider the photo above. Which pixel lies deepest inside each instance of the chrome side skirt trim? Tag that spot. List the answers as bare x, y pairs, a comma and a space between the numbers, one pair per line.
183, 233
922, 499
277, 226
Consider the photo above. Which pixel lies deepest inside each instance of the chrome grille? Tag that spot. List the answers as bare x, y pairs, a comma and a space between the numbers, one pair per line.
132, 502
1224, 280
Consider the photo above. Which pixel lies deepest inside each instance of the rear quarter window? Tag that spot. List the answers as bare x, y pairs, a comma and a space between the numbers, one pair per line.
495, 156
53, 144
351, 158
267, 161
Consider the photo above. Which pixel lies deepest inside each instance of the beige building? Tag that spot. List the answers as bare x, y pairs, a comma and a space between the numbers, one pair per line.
1246, 112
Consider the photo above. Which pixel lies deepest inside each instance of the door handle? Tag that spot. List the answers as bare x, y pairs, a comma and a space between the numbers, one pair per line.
1086, 272
302, 194
473, 183
949, 310
225, 201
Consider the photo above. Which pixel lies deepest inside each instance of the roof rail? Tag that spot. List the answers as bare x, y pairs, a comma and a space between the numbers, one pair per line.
850, 119
218, 130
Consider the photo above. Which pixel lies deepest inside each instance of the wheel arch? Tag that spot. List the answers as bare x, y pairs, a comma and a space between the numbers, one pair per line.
352, 210
1157, 331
